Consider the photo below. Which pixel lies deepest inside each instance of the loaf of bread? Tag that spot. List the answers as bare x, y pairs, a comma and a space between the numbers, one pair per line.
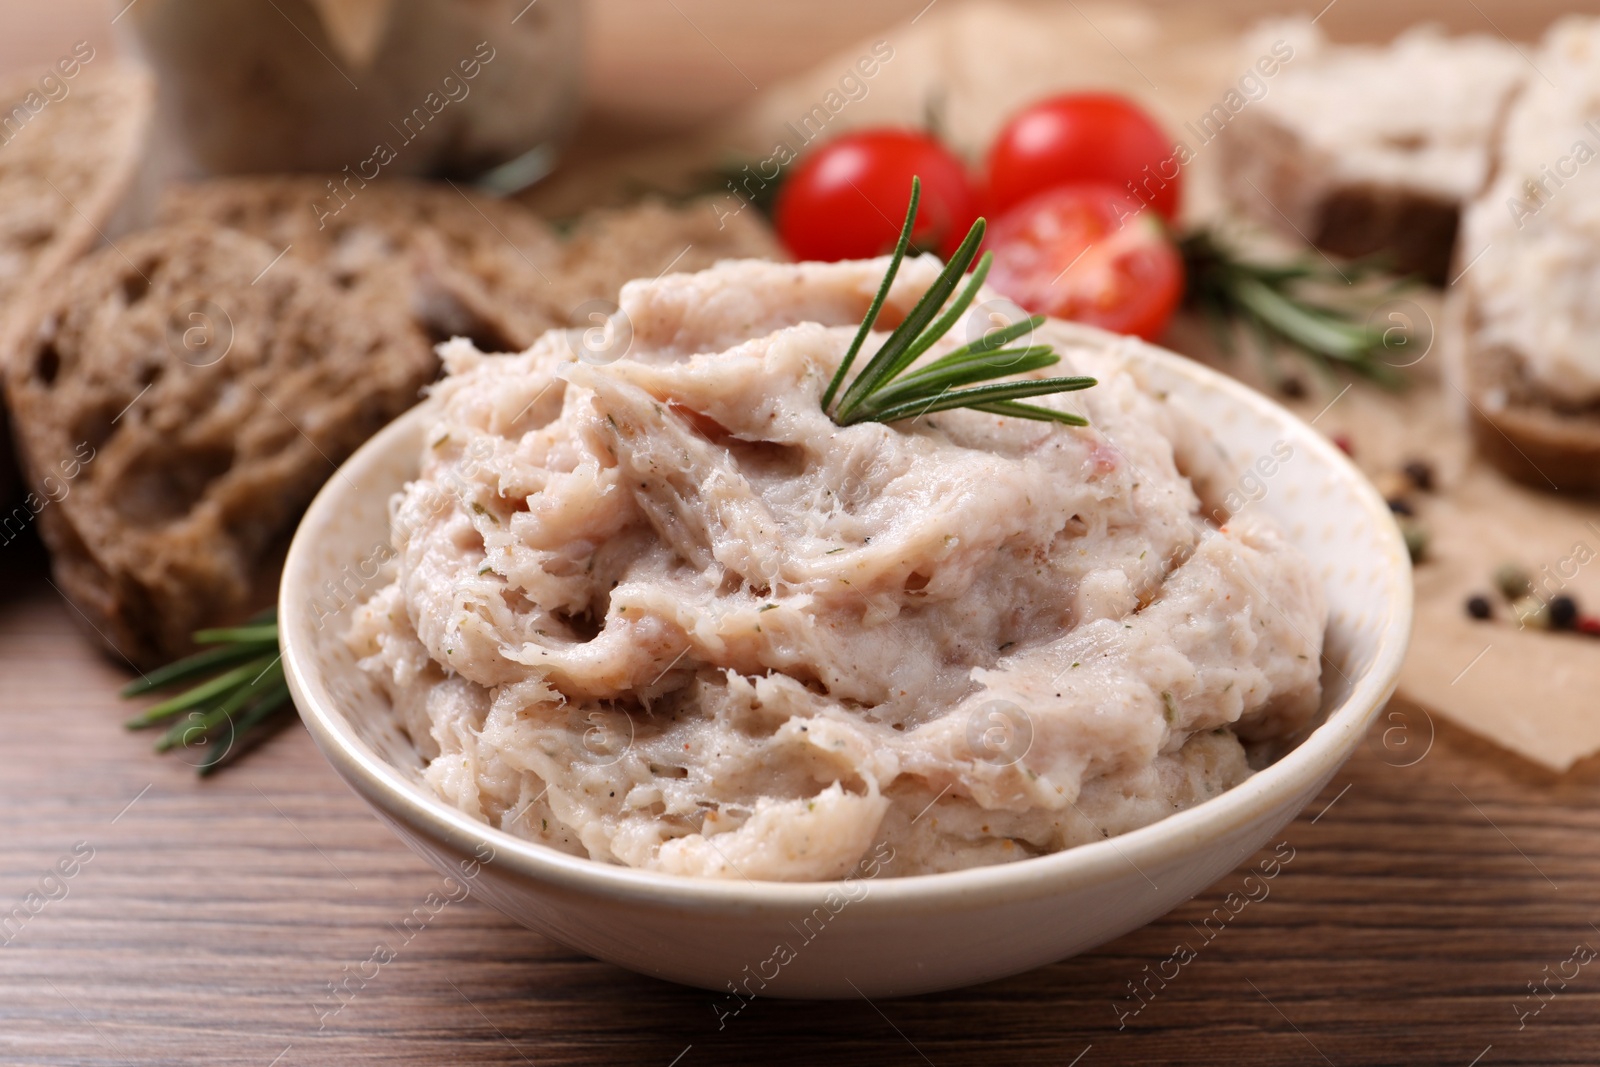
71, 142
1370, 149
1530, 257
187, 396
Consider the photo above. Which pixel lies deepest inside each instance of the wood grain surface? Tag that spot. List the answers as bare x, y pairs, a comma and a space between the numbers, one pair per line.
1438, 890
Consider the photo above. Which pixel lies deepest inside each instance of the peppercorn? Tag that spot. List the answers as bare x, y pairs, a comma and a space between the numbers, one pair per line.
1532, 612
1342, 441
1401, 506
1479, 607
1420, 471
1293, 388
1563, 613
1589, 624
1512, 581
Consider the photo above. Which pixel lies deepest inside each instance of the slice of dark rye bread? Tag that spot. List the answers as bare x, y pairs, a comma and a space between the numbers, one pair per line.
498, 268
1527, 289
70, 151
187, 406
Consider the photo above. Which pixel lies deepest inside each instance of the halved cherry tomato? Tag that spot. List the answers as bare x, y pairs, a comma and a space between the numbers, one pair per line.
848, 199
1089, 253
1084, 137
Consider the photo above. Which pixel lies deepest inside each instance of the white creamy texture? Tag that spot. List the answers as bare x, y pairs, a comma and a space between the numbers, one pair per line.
665, 613
1535, 285
1416, 113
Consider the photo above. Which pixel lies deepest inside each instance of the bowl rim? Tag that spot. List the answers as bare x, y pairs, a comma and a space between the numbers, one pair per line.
1317, 757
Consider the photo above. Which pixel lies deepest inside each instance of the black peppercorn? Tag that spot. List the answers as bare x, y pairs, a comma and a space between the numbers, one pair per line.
1478, 606
1401, 506
1563, 613
1420, 471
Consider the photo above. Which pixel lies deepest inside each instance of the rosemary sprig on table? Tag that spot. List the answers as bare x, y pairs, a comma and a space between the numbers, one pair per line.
885, 392
241, 686
1228, 288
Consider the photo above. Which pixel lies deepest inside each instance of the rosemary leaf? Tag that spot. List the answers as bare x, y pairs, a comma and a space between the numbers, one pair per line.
992, 341
891, 359
951, 316
1270, 301
980, 367
1307, 328
876, 306
220, 753
887, 389
983, 394
238, 634
1031, 411
241, 684
181, 732
201, 694
199, 665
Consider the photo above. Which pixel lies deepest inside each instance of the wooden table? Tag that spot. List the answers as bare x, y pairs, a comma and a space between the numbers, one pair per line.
1432, 885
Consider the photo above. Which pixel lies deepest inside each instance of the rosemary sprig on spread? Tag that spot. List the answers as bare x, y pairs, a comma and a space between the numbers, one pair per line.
885, 392
1227, 288
241, 686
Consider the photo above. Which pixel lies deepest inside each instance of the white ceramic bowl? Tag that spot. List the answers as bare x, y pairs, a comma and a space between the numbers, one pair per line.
889, 936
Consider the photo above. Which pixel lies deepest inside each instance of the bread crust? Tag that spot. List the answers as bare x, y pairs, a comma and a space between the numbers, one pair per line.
1522, 429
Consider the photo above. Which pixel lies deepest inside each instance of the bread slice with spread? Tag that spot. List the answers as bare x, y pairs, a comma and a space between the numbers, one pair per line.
1531, 275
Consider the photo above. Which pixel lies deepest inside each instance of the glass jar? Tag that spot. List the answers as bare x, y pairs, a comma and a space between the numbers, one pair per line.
472, 89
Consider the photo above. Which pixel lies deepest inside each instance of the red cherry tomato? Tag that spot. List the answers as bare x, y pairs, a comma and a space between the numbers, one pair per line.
1089, 253
1084, 137
847, 199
